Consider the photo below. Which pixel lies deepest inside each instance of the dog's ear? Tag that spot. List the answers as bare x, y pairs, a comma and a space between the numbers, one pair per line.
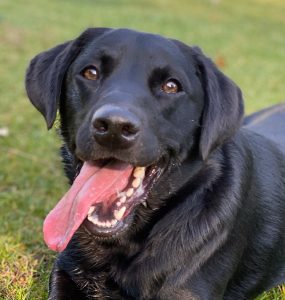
46, 72
223, 108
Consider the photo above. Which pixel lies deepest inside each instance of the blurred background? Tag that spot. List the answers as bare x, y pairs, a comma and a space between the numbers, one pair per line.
245, 38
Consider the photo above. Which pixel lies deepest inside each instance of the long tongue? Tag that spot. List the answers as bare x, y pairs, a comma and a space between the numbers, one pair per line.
92, 185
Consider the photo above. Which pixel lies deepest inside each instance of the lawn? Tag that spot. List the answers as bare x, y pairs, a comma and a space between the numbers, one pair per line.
246, 38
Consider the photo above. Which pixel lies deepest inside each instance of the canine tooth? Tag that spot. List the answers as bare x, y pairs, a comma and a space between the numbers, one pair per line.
139, 172
129, 192
91, 209
118, 214
144, 204
136, 183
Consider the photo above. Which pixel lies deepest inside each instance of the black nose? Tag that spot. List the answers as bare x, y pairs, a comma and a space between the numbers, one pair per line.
114, 127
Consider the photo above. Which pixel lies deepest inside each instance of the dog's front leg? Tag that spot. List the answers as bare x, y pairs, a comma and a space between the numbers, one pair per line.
62, 287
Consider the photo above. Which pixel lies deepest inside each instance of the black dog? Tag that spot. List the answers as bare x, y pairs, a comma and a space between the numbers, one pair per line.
173, 199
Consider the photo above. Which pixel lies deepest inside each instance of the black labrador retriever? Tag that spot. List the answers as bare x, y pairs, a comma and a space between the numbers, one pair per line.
170, 197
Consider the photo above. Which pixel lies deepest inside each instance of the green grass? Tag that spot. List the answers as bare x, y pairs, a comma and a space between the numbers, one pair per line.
247, 39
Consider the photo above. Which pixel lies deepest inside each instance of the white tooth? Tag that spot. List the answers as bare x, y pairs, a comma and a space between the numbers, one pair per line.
139, 172
120, 194
93, 219
144, 204
136, 183
103, 224
108, 224
123, 199
114, 222
129, 192
118, 214
91, 209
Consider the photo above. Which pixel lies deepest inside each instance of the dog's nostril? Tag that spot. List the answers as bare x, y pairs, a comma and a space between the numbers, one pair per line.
100, 126
129, 130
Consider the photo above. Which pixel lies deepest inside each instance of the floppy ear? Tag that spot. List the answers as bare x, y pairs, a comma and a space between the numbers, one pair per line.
223, 107
46, 72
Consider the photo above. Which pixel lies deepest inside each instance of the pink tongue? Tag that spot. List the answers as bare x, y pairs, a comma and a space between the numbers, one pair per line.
91, 186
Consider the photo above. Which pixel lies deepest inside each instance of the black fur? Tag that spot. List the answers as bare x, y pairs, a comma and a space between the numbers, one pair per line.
214, 227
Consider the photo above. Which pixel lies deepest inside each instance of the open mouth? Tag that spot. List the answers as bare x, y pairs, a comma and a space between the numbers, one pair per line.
111, 216
103, 198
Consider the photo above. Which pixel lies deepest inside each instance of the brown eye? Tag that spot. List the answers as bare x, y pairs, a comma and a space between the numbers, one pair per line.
91, 73
171, 86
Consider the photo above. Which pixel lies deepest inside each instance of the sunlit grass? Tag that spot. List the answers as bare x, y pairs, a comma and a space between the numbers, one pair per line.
246, 38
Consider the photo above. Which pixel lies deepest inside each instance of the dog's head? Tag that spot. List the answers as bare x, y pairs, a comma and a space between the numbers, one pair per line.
132, 105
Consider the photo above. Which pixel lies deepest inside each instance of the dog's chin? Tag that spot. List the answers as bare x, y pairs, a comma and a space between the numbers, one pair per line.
110, 220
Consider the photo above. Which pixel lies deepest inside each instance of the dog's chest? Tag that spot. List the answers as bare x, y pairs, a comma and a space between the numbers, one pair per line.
114, 278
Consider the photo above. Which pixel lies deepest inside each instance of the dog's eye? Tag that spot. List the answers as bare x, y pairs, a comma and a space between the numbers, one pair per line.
91, 73
171, 86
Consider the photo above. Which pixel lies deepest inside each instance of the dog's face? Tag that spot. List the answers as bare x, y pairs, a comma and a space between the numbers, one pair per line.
131, 97
134, 98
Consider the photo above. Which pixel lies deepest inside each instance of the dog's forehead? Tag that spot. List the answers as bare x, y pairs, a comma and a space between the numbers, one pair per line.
130, 42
